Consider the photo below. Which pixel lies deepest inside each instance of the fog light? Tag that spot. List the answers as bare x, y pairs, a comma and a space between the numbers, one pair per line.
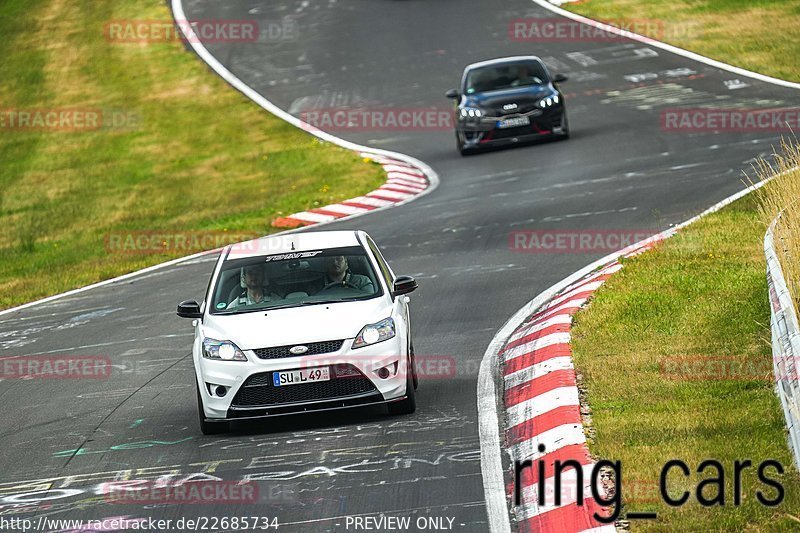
387, 371
221, 391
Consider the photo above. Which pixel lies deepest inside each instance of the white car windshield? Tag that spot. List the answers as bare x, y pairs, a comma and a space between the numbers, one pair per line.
294, 279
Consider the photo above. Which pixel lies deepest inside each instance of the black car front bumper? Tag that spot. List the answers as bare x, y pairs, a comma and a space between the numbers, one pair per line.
475, 134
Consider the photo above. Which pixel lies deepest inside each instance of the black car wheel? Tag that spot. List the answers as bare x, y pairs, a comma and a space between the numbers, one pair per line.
460, 142
565, 126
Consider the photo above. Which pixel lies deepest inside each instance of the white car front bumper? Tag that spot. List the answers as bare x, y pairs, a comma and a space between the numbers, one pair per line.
234, 375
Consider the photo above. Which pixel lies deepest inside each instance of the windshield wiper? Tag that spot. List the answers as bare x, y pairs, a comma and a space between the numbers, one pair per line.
287, 306
331, 301
308, 302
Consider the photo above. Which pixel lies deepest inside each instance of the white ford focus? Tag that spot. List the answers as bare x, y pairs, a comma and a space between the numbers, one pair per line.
300, 323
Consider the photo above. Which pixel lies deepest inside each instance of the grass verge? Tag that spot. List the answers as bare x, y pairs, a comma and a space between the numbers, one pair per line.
190, 154
675, 358
762, 36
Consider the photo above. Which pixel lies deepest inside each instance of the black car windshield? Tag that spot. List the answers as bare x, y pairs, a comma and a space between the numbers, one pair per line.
505, 76
294, 279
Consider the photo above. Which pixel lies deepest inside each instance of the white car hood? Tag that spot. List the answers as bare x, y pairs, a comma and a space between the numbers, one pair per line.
296, 325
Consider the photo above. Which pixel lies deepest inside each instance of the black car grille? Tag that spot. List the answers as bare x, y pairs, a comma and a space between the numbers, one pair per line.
346, 380
521, 110
499, 113
314, 348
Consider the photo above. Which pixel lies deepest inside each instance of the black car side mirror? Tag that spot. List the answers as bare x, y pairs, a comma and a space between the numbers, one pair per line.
189, 309
558, 78
404, 285
452, 93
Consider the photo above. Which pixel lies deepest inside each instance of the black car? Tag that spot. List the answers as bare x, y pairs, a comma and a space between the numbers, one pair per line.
508, 100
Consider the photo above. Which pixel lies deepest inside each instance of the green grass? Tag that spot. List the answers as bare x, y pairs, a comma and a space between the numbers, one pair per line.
202, 157
760, 35
699, 295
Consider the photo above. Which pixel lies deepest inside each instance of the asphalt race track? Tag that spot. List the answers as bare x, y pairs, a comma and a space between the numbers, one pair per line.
618, 171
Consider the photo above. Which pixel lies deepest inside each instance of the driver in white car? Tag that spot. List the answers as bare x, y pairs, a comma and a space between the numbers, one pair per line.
337, 272
256, 284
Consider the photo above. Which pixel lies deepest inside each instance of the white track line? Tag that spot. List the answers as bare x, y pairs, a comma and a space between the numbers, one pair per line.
541, 404
553, 439
587, 287
344, 209
383, 193
399, 187
316, 218
561, 337
366, 200
529, 373
557, 320
572, 304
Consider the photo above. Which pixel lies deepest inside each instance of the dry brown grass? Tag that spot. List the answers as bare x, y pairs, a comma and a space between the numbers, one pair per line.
780, 196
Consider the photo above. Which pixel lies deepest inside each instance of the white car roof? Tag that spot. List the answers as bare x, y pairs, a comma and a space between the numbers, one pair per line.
294, 242
499, 60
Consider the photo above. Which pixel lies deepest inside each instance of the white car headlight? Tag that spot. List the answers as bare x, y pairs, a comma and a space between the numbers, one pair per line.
550, 100
471, 112
374, 333
222, 350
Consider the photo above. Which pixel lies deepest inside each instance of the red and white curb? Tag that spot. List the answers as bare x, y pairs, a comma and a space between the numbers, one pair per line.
542, 408
529, 362
403, 182
491, 378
